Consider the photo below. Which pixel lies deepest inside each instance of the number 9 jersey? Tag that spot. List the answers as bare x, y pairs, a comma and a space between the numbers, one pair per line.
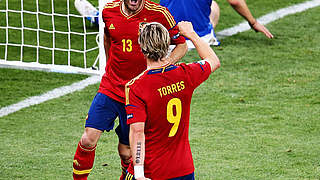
126, 60
161, 98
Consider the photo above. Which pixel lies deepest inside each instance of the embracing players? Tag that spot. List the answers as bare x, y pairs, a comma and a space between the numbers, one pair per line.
122, 19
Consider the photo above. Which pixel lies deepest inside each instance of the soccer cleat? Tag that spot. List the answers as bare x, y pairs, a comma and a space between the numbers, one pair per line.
214, 40
124, 167
86, 9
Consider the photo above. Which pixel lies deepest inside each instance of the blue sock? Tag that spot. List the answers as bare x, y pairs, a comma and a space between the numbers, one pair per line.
94, 19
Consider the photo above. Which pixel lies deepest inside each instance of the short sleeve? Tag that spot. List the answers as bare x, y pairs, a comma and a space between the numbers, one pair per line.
175, 36
198, 72
135, 108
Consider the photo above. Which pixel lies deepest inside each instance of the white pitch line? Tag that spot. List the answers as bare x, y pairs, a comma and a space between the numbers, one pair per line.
95, 79
55, 93
244, 26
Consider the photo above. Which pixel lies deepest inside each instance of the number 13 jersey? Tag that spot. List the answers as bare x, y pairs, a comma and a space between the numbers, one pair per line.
126, 60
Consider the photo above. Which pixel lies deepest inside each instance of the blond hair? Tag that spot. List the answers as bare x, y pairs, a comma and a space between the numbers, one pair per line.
154, 41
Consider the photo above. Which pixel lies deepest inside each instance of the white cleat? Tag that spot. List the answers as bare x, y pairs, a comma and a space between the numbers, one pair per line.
85, 8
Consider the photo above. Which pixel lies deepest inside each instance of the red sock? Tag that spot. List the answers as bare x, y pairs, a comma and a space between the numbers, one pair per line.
83, 162
124, 167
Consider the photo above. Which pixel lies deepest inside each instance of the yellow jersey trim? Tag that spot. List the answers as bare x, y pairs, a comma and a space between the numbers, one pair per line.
129, 176
124, 14
163, 10
112, 4
127, 88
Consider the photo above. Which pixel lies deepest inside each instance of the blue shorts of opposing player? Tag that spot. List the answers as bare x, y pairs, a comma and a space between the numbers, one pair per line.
102, 114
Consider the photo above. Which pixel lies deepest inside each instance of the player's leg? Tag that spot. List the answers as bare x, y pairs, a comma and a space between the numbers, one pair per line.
85, 8
85, 153
214, 19
123, 148
215, 14
101, 117
125, 156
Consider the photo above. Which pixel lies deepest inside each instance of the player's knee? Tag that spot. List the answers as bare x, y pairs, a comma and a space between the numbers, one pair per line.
88, 141
124, 152
90, 137
125, 157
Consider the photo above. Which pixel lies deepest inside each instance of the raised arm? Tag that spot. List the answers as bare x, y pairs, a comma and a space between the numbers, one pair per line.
177, 53
242, 8
137, 146
204, 50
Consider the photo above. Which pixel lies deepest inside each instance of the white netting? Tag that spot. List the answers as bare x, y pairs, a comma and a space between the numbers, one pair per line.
47, 34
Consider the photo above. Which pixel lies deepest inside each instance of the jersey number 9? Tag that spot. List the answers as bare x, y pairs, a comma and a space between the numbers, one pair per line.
172, 117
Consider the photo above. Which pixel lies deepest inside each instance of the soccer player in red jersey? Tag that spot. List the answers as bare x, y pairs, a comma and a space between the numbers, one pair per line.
158, 106
122, 19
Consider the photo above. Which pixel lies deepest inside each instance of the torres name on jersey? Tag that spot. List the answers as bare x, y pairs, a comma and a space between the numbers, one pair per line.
172, 88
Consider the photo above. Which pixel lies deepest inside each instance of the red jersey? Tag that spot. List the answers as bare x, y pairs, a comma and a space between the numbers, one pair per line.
126, 60
161, 98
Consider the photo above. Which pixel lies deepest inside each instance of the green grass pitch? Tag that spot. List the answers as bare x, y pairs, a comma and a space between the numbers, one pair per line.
257, 117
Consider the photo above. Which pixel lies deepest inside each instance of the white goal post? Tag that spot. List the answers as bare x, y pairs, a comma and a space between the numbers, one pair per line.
52, 37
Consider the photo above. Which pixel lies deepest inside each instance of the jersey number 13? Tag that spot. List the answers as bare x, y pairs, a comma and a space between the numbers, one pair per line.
126, 45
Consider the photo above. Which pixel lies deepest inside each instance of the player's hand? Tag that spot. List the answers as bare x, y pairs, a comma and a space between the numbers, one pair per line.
186, 29
260, 28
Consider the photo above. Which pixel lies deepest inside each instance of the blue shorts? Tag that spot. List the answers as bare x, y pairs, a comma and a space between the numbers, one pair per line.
102, 114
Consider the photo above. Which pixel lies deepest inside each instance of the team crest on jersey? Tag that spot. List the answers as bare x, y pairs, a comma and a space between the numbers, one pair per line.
111, 26
129, 116
203, 62
141, 24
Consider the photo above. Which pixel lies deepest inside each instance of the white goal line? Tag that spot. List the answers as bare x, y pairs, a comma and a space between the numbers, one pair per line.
273, 16
55, 93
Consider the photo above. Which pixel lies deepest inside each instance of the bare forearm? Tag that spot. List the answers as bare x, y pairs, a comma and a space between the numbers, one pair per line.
205, 51
177, 53
137, 146
242, 8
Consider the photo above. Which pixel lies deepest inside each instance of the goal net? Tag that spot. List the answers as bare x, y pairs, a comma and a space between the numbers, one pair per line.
49, 35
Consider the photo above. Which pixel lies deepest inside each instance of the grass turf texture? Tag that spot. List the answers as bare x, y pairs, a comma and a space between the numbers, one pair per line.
257, 117
17, 85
